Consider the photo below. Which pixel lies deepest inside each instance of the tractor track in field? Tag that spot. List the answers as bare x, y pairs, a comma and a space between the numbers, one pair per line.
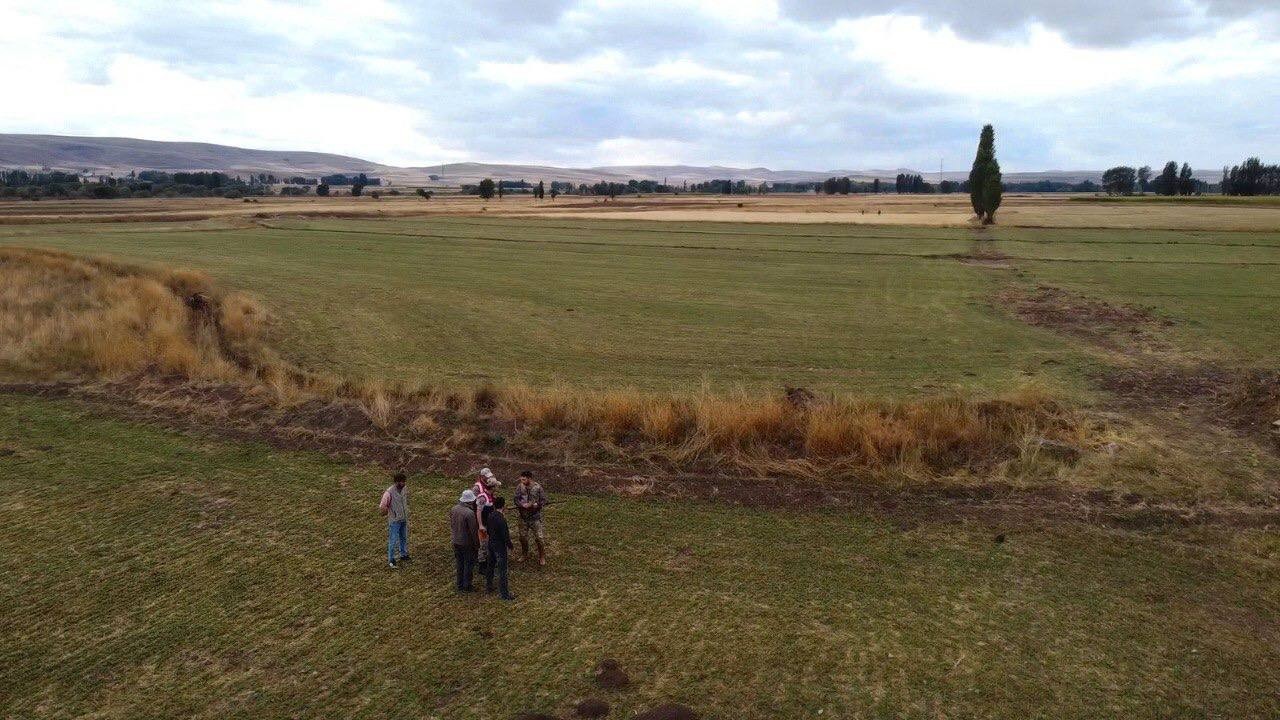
343, 433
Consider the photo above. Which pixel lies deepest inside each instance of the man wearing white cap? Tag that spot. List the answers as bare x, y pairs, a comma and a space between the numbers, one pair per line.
464, 532
485, 490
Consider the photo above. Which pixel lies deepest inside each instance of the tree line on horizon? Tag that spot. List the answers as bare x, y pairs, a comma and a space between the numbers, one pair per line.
1125, 180
1252, 177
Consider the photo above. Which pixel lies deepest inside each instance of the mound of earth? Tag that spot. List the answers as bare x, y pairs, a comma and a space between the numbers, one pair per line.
610, 676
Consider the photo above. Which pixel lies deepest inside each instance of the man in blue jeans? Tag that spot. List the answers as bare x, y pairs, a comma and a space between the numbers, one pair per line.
395, 505
499, 545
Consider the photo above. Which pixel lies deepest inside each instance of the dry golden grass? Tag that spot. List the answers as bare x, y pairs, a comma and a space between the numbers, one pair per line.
757, 434
96, 317
59, 312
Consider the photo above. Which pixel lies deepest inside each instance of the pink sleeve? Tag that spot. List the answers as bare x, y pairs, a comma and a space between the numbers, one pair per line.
385, 503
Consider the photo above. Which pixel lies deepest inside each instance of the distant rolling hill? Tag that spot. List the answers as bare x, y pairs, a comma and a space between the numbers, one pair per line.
118, 156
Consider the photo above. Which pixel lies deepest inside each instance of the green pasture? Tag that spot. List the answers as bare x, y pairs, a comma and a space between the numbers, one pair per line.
145, 574
598, 303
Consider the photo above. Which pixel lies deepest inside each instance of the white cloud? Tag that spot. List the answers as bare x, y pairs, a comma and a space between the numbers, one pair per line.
225, 110
641, 151
400, 70
369, 25
685, 70
1043, 65
536, 72
605, 67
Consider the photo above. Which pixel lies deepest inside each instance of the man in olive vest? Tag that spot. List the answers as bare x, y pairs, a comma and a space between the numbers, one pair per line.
530, 499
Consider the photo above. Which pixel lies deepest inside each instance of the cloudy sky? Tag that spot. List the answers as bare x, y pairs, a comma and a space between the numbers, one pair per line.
787, 84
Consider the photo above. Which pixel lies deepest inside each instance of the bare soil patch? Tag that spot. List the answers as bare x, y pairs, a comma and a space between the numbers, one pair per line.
1246, 400
1116, 327
610, 675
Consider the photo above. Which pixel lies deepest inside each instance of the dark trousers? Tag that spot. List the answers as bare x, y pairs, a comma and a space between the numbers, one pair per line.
497, 564
465, 557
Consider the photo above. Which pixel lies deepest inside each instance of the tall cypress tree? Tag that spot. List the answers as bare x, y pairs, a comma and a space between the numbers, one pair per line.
985, 181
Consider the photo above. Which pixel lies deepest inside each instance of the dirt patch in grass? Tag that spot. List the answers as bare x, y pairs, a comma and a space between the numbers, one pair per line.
1116, 327
1245, 400
610, 675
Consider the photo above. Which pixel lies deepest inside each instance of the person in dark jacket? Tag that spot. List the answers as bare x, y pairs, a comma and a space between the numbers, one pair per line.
499, 546
465, 534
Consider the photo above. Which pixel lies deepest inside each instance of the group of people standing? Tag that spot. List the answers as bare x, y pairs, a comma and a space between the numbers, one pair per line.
478, 528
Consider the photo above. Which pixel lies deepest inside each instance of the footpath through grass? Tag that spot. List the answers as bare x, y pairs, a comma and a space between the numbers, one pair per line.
147, 574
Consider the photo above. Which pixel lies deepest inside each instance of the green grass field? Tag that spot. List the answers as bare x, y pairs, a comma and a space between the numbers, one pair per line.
153, 575
680, 305
145, 573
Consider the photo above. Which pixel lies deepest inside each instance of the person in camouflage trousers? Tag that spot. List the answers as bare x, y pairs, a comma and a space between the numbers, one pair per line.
530, 499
